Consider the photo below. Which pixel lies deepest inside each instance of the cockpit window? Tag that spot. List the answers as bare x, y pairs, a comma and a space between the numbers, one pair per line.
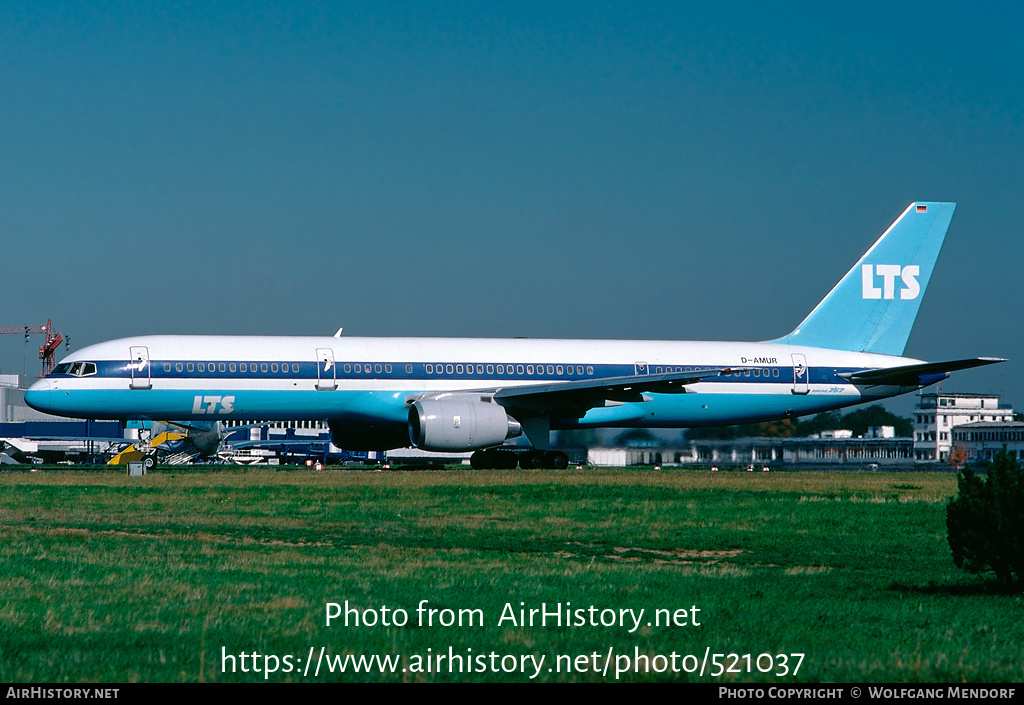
79, 369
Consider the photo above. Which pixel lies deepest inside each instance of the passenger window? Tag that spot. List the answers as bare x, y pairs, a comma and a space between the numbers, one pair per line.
590, 370
232, 367
263, 367
551, 369
358, 367
519, 369
295, 367
490, 369
430, 369
775, 372
222, 367
201, 367
273, 367
190, 367
479, 369
347, 367
178, 367
387, 369
449, 369
558, 369
501, 369
408, 369
458, 369
167, 367
529, 369
377, 368
579, 369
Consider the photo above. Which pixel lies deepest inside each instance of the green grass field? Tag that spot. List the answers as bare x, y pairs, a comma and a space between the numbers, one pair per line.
116, 579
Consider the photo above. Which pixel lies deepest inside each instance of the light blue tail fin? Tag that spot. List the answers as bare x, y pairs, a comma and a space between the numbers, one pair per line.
874, 306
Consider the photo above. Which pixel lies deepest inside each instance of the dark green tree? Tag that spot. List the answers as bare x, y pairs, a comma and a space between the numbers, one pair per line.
860, 420
581, 438
985, 522
636, 436
825, 421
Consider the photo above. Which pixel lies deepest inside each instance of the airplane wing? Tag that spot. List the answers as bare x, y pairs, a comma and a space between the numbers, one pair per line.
580, 395
915, 375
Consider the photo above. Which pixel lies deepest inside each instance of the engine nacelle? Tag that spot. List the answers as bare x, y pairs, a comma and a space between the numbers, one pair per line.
207, 441
459, 422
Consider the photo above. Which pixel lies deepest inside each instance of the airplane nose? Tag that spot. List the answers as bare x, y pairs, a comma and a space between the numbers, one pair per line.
38, 395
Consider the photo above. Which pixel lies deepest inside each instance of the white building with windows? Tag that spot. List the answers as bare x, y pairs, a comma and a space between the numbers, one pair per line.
936, 414
983, 439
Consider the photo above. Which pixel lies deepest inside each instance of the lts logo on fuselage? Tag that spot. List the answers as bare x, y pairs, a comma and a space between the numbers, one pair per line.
213, 405
888, 273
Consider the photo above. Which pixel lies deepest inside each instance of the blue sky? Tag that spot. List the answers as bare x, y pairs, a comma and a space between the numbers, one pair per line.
623, 170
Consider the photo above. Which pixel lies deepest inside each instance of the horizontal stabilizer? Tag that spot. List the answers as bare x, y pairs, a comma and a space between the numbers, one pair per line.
917, 375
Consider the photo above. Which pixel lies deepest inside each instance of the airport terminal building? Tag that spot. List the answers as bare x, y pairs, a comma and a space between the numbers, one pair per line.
982, 440
880, 449
937, 414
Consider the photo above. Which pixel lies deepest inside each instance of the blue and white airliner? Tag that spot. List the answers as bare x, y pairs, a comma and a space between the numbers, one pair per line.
464, 394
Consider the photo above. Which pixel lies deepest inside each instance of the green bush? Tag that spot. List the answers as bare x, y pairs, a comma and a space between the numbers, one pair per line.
985, 522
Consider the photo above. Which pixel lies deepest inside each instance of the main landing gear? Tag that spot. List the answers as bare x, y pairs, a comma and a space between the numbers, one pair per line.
507, 459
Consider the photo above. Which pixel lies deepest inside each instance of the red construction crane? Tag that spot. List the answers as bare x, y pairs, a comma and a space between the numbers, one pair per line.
48, 350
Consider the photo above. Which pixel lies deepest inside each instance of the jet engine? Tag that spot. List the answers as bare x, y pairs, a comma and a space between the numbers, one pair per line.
459, 423
193, 438
207, 441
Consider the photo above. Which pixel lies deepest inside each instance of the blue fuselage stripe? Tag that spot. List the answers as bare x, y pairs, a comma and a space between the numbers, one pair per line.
227, 371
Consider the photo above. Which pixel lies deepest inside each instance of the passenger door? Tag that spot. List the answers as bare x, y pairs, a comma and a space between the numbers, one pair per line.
801, 375
140, 367
326, 377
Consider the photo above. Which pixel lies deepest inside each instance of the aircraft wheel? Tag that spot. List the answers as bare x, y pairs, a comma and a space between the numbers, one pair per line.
482, 460
507, 460
533, 460
556, 460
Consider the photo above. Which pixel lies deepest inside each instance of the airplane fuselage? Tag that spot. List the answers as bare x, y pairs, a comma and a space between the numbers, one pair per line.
370, 379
